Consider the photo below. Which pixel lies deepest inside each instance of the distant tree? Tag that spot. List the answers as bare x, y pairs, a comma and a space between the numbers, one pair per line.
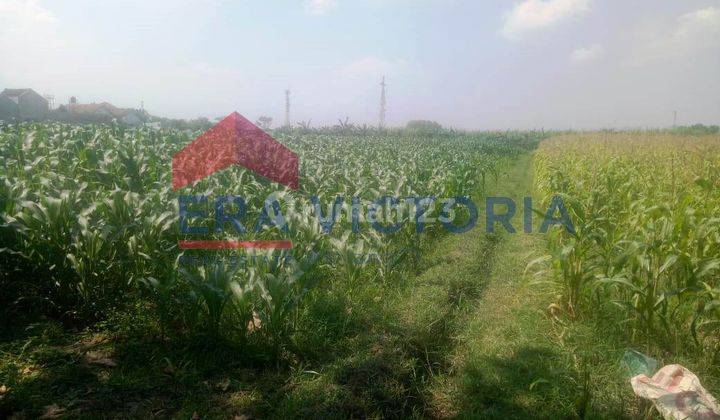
200, 124
264, 122
424, 126
696, 129
345, 125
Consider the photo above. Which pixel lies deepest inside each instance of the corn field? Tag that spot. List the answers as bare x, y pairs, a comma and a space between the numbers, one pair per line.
647, 240
90, 222
367, 312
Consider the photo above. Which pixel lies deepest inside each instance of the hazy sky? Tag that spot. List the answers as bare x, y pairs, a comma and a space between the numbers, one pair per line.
464, 63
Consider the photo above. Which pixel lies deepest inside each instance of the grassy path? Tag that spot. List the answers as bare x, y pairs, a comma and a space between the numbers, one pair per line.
507, 358
475, 324
507, 363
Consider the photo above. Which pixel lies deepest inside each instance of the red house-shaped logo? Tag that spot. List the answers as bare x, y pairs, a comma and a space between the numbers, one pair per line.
235, 141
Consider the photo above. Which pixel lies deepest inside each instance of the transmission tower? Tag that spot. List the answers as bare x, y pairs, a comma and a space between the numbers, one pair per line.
381, 123
287, 108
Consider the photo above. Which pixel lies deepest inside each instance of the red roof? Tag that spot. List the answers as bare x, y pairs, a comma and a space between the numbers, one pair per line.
103, 107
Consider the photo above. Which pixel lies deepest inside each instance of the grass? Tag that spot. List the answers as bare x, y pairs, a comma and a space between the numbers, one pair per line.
506, 363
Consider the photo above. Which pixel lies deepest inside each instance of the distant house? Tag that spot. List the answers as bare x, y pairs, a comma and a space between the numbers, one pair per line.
102, 112
29, 105
8, 109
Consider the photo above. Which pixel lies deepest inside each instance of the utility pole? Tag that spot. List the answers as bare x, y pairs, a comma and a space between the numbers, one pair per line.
287, 108
674, 119
381, 123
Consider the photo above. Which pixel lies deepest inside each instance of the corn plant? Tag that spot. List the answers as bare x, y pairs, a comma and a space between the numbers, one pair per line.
644, 208
91, 209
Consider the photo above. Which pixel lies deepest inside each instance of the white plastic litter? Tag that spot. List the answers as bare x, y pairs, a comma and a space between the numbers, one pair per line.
677, 394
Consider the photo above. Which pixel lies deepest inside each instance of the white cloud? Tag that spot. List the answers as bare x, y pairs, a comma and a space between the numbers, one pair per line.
319, 7
698, 27
692, 34
531, 15
589, 53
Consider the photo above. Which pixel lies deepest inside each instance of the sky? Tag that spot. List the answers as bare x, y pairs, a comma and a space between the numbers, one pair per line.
525, 64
